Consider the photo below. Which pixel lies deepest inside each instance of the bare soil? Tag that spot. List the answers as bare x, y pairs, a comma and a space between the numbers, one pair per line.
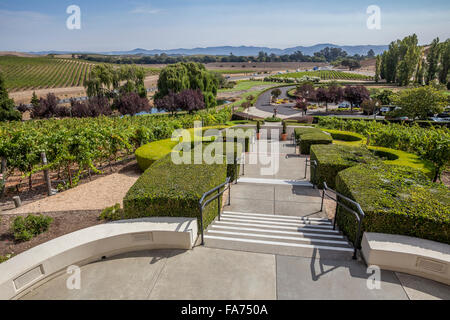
63, 223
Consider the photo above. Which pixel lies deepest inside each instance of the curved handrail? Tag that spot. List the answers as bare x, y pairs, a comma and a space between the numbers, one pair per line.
202, 203
359, 214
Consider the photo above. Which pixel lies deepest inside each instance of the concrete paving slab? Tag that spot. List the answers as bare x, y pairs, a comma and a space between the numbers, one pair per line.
124, 277
301, 209
418, 288
205, 273
301, 278
252, 192
251, 206
297, 194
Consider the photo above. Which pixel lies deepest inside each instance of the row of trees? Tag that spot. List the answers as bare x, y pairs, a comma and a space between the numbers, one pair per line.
331, 94
109, 89
406, 62
327, 54
126, 104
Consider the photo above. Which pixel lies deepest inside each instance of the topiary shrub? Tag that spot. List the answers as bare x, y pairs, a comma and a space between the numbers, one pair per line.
309, 139
395, 200
331, 159
170, 190
345, 135
299, 131
25, 229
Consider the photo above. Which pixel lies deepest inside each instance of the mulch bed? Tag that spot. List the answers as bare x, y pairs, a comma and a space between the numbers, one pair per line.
64, 223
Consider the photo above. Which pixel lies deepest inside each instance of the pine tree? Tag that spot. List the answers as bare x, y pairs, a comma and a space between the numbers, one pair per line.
34, 100
7, 110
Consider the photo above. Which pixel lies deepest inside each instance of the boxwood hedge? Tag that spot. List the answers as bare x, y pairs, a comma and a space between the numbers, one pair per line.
395, 200
306, 137
331, 159
171, 190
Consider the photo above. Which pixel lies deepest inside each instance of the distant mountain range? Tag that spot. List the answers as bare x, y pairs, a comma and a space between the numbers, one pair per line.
237, 51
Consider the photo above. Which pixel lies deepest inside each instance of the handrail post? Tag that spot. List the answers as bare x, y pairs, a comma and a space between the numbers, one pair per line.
323, 198
335, 214
218, 203
201, 224
306, 167
229, 193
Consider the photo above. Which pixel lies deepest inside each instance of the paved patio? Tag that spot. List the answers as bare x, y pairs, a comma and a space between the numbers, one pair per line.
211, 273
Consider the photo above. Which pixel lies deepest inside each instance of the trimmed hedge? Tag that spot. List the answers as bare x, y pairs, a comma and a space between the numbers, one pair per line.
153, 151
170, 190
331, 159
395, 200
346, 136
306, 137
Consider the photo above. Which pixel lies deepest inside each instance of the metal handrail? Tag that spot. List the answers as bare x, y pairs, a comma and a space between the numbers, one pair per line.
359, 214
203, 203
313, 165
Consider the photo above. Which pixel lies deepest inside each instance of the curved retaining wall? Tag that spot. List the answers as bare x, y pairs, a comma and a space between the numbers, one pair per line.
88, 245
424, 258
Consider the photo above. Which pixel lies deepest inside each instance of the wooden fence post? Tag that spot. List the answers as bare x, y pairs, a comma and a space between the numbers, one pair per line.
46, 174
3, 170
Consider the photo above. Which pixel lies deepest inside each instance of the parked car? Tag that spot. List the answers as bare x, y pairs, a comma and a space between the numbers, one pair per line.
344, 105
439, 119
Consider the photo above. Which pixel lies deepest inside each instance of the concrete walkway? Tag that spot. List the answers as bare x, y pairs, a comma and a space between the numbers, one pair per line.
212, 273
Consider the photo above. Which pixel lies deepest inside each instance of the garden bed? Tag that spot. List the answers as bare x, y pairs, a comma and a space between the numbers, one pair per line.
64, 223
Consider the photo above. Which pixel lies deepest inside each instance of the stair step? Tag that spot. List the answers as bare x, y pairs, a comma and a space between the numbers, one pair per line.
277, 227
287, 239
279, 243
268, 231
274, 218
304, 224
279, 182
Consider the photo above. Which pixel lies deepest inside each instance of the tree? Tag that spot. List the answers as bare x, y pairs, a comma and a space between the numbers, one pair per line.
433, 61
323, 95
34, 100
336, 93
131, 103
167, 103
370, 106
302, 104
445, 63
356, 95
351, 64
275, 94
47, 108
384, 96
188, 75
190, 100
378, 68
371, 53
420, 102
7, 110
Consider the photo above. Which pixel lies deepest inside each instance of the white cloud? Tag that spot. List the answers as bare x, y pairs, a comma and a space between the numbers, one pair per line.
145, 10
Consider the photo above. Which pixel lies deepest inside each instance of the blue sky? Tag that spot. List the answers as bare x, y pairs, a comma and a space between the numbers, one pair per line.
124, 25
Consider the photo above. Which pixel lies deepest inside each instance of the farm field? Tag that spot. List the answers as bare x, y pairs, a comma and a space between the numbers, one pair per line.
30, 73
326, 75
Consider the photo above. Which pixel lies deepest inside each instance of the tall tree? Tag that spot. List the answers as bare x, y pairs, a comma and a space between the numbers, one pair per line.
7, 110
433, 60
420, 102
445, 63
378, 68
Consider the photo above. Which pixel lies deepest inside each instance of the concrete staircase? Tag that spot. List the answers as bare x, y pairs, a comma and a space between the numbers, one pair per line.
277, 234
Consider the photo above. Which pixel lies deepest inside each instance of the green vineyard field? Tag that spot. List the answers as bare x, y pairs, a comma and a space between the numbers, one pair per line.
23, 73
326, 75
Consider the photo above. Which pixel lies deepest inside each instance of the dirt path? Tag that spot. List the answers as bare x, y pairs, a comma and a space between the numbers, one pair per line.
64, 93
96, 195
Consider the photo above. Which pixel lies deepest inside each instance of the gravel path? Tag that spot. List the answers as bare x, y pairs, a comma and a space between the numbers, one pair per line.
96, 195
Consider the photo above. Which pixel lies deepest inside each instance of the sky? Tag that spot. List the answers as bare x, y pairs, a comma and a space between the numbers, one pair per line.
110, 25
